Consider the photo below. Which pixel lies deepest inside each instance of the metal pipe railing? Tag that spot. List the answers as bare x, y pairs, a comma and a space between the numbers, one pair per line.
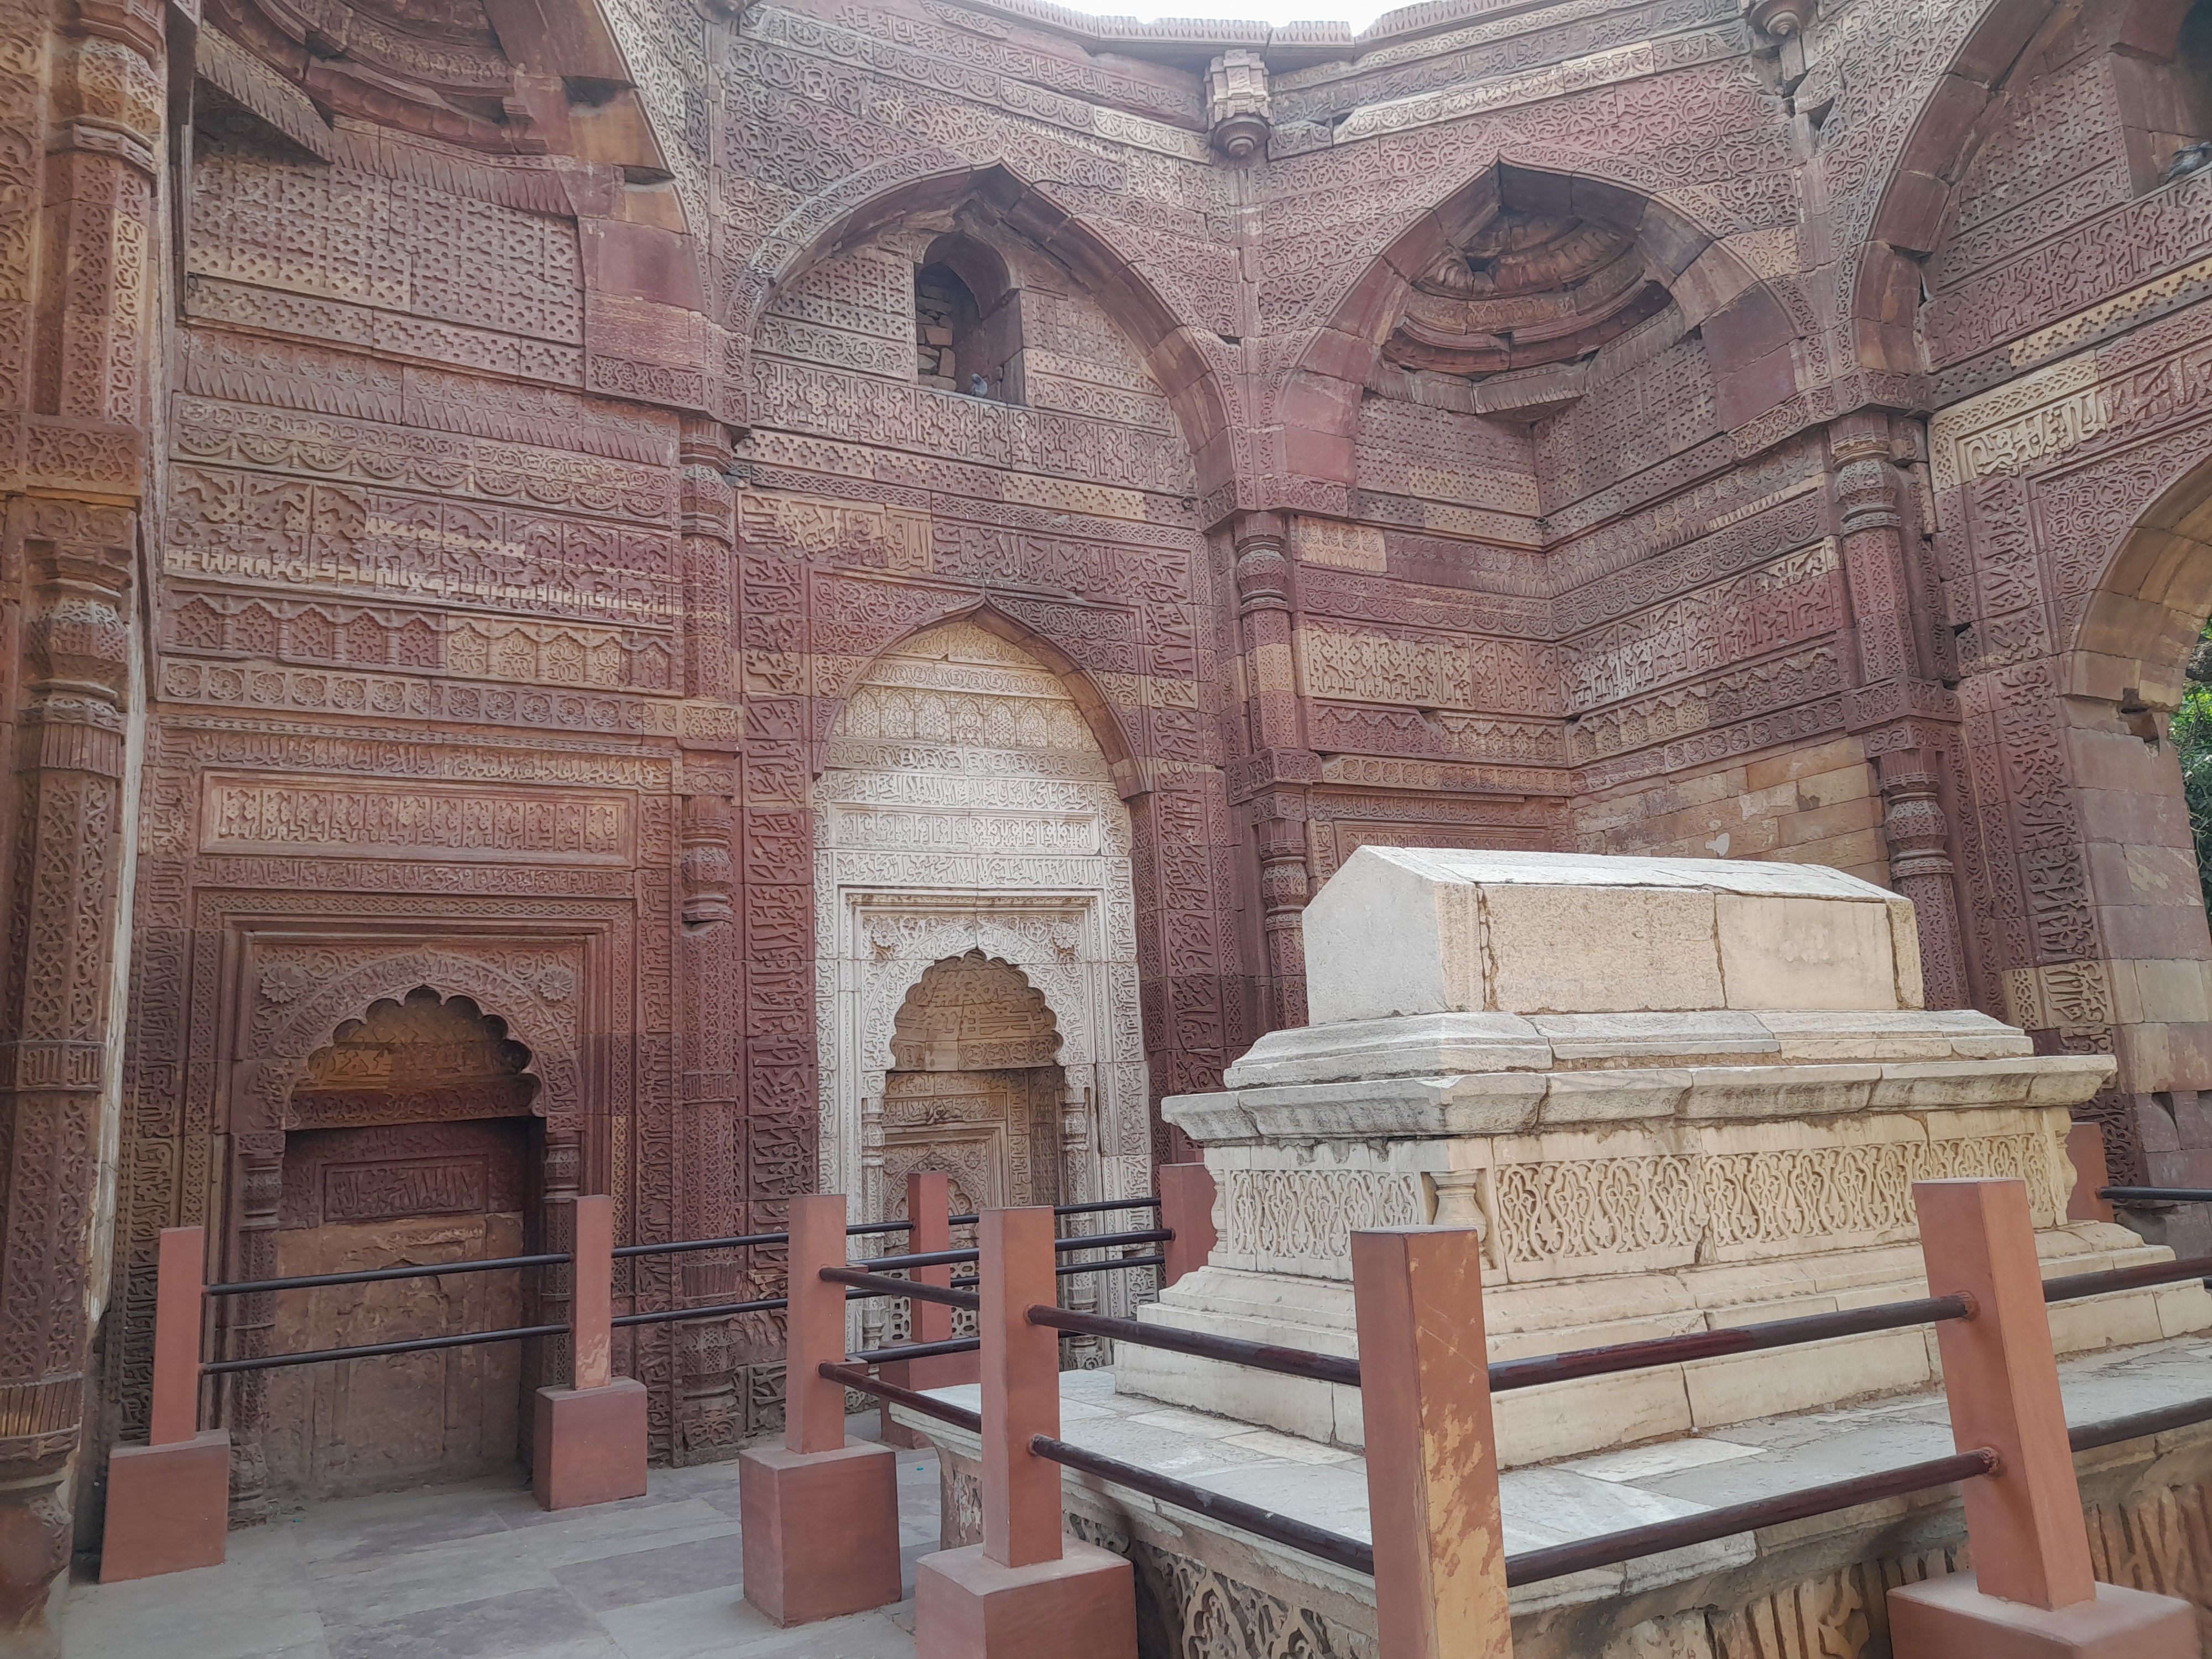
1612, 1548
1301, 1535
1260, 1356
370, 1349
1529, 1373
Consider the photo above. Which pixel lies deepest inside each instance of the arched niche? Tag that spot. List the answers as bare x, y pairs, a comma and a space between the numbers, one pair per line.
969, 828
974, 1088
968, 320
408, 1141
1511, 284
881, 200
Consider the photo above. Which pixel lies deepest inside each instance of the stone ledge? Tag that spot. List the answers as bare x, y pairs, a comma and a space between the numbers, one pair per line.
1820, 1581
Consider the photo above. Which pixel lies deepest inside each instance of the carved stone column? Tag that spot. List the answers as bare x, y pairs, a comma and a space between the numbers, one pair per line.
1895, 698
710, 1411
82, 103
1920, 869
257, 1173
54, 1014
1282, 765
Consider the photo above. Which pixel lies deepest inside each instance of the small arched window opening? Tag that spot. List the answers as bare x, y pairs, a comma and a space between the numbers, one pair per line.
968, 333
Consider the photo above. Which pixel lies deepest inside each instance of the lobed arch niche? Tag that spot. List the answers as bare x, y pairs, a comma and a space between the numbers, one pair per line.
976, 1088
409, 1140
975, 931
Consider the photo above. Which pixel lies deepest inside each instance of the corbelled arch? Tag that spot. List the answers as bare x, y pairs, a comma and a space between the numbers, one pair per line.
1099, 714
286, 1032
865, 203
1747, 332
2152, 597
967, 808
1952, 121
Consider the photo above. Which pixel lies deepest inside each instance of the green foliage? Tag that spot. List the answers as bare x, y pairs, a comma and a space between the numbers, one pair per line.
2191, 731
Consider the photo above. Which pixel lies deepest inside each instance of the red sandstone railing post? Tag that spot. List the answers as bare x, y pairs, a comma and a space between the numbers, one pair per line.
1431, 1450
928, 1206
589, 1439
1021, 1388
820, 1513
1185, 1194
2085, 1151
1025, 1589
2032, 1591
169, 1501
591, 1330
178, 1288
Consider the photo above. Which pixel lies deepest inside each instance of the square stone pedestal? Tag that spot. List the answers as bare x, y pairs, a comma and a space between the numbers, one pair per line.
1083, 1606
820, 1530
168, 1507
1951, 1618
588, 1444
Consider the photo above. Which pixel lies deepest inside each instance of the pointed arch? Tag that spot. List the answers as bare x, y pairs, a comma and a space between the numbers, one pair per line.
1106, 728
2153, 588
1747, 330
864, 203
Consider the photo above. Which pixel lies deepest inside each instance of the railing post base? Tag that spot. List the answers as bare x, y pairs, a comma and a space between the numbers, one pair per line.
589, 1444
820, 1530
1083, 1606
168, 1507
1951, 1618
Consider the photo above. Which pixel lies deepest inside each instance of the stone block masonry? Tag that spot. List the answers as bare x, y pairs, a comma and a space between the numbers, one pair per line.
491, 520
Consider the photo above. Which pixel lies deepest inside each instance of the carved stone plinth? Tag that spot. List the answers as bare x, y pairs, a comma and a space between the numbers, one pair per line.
821, 1530
166, 1507
589, 1444
1082, 1605
1952, 1619
1672, 1094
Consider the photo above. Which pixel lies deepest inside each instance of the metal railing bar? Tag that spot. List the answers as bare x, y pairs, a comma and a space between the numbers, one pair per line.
367, 1350
919, 1259
1539, 1368
1100, 1207
1300, 1535
720, 1311
1260, 1356
1611, 1549
744, 1241
2156, 1194
882, 1284
374, 1275
1070, 1269
2126, 1279
853, 1377
2087, 1436
947, 1258
913, 1351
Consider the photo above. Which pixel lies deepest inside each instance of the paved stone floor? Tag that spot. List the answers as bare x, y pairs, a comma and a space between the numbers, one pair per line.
478, 1571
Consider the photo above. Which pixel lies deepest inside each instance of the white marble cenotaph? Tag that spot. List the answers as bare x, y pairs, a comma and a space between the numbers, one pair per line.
1673, 1094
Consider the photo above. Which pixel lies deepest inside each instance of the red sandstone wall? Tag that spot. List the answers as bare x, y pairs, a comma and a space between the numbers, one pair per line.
542, 480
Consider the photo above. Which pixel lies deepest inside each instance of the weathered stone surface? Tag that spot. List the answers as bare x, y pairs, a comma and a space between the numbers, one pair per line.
1658, 431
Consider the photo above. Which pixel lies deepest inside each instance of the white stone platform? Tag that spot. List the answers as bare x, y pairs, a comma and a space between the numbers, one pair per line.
1666, 1096
1579, 1497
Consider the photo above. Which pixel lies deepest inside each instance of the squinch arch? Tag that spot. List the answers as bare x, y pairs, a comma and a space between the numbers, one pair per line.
1746, 331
